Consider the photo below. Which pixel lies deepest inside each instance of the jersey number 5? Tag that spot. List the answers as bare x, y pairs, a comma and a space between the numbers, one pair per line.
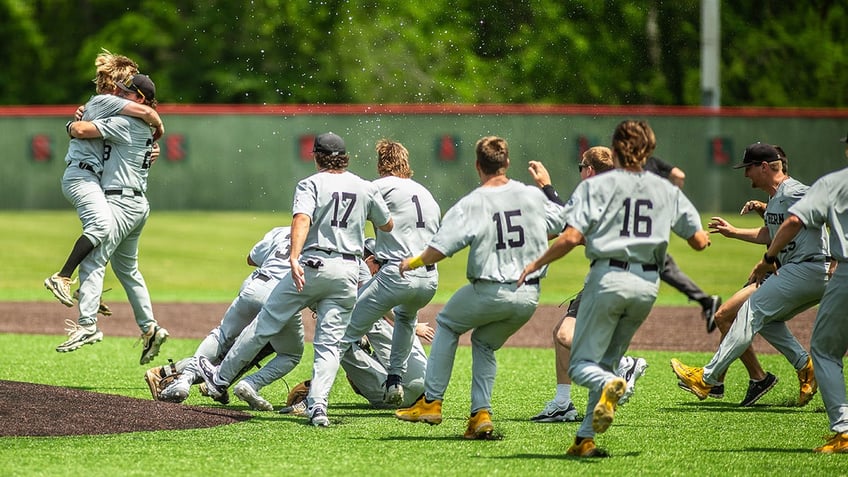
642, 224
505, 222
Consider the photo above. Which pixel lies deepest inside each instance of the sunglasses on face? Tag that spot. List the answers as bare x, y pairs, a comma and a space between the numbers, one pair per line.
582, 166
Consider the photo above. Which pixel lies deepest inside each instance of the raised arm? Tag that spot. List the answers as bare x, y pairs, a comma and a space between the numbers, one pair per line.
146, 114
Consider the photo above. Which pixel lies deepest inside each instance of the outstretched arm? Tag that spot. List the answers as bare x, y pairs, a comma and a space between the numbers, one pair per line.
566, 242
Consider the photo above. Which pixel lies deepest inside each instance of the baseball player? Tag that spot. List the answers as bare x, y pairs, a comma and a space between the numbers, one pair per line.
594, 161
624, 217
416, 216
366, 361
799, 285
328, 231
81, 179
127, 147
671, 273
270, 256
826, 202
504, 223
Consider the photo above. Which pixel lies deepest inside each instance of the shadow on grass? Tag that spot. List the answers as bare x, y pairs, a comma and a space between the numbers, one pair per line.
727, 407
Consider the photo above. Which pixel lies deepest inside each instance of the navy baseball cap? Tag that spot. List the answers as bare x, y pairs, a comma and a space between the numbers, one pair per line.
758, 153
141, 84
329, 143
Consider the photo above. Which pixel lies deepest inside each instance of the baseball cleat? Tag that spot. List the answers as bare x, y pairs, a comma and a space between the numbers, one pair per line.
585, 447
244, 391
61, 288
758, 389
177, 391
152, 340
838, 444
807, 383
553, 412
78, 336
393, 395
716, 392
318, 416
710, 311
479, 426
691, 378
207, 372
630, 369
604, 411
422, 411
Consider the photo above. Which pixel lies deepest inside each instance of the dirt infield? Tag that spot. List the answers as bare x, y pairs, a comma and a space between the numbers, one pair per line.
39, 410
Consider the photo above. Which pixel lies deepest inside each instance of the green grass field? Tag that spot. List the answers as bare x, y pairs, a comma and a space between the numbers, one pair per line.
191, 257
661, 431
200, 256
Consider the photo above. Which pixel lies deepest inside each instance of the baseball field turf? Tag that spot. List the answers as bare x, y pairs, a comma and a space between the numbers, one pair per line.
200, 257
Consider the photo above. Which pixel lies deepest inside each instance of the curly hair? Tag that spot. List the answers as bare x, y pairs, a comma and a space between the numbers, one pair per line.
336, 162
392, 159
492, 155
633, 142
110, 69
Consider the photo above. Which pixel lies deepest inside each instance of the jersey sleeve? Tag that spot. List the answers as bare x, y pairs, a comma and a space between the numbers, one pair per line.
115, 129
453, 234
305, 198
688, 221
260, 251
378, 212
812, 209
576, 212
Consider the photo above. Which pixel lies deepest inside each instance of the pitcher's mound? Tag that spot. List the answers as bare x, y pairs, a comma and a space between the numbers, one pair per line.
28, 409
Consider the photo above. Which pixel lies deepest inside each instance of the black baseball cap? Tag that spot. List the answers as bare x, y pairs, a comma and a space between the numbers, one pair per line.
140, 84
329, 143
758, 153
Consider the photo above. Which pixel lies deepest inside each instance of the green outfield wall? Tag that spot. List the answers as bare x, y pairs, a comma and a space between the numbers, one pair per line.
251, 157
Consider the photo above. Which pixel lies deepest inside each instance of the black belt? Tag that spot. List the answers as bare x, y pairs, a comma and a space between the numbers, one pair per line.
647, 267
261, 276
429, 268
135, 193
529, 281
346, 256
87, 167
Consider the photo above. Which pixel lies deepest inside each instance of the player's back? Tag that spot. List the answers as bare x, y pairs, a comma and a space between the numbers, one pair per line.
416, 216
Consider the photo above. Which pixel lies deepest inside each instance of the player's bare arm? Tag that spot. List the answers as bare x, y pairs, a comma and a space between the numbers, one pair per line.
677, 177
428, 257
83, 130
566, 242
539, 173
699, 241
768, 264
299, 229
719, 225
754, 206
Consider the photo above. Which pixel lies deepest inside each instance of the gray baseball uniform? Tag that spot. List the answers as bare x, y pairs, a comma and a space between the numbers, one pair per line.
505, 227
81, 179
797, 286
367, 369
826, 202
416, 217
338, 204
626, 219
127, 146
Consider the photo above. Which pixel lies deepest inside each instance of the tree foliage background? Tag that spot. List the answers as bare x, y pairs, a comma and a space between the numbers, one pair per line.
455, 51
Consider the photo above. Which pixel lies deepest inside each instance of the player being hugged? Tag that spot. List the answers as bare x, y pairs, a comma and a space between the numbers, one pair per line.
624, 217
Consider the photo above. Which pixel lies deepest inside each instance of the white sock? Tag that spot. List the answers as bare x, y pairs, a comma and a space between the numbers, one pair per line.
563, 394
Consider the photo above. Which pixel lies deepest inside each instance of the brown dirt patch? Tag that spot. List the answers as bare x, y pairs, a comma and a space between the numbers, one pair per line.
40, 410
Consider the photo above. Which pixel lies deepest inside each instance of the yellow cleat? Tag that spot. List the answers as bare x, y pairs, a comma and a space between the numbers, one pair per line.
422, 411
585, 447
807, 383
605, 409
691, 378
479, 425
837, 444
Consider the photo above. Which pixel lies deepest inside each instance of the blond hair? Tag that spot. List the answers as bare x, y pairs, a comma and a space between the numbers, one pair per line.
110, 69
492, 155
392, 159
633, 142
600, 158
